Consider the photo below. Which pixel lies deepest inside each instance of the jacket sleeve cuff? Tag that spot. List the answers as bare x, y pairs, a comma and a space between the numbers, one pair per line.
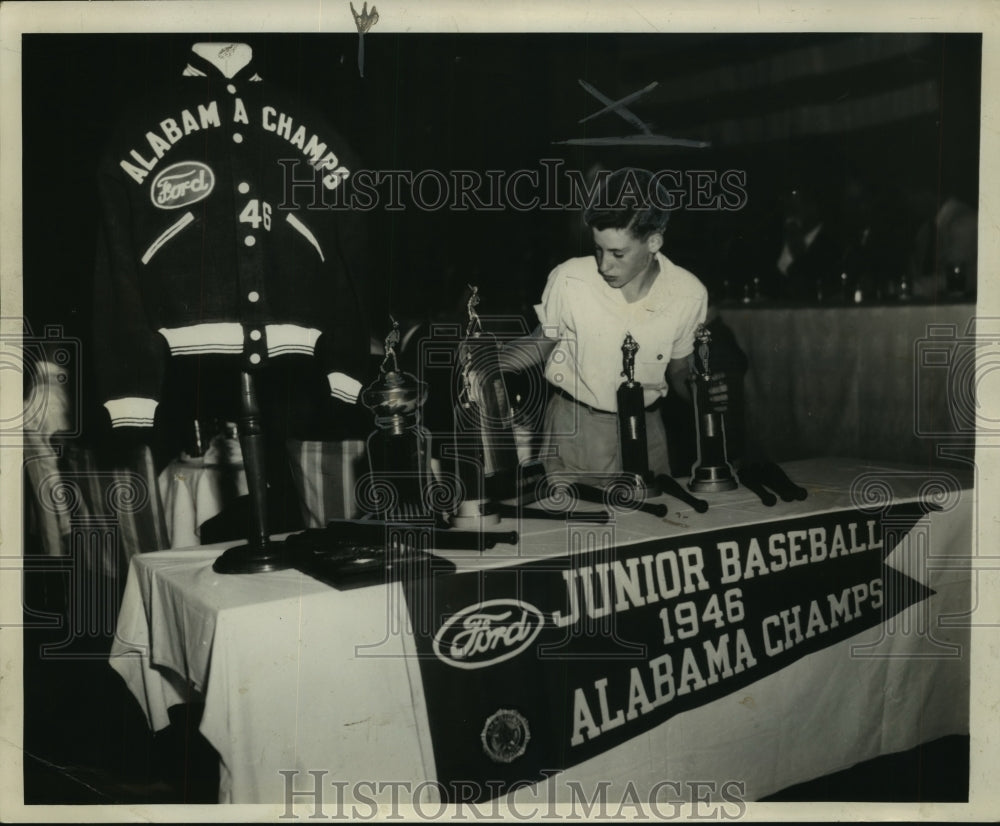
131, 412
343, 387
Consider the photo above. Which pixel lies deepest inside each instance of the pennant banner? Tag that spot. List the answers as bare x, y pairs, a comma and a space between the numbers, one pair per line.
532, 669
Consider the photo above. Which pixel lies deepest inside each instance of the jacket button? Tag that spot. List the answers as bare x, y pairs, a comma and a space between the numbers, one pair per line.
231, 89
255, 358
249, 240
255, 335
237, 137
253, 296
244, 188
659, 356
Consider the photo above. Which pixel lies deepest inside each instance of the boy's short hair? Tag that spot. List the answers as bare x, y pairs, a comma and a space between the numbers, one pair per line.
628, 199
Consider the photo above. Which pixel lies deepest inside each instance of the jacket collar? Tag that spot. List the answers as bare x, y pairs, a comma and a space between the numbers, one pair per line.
229, 60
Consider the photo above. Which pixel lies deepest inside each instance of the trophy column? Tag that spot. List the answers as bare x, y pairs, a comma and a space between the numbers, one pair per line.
711, 471
632, 422
484, 446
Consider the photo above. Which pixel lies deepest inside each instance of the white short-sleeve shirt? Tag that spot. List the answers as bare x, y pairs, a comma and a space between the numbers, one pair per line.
590, 321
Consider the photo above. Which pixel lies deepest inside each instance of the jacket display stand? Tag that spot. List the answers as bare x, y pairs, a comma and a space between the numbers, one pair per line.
260, 553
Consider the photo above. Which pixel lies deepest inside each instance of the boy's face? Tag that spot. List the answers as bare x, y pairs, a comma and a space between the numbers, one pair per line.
622, 257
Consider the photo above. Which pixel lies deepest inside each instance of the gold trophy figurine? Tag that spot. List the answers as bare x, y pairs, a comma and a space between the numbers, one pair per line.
389, 348
474, 329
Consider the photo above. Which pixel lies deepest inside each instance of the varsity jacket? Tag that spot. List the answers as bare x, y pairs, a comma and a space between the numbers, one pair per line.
223, 229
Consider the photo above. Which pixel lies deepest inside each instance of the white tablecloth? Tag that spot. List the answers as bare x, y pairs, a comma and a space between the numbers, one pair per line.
296, 676
195, 490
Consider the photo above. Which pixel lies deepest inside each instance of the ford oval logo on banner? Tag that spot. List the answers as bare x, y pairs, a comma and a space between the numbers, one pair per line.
182, 184
488, 632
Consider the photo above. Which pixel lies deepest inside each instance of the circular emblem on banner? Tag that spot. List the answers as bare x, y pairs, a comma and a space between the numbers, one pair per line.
181, 185
505, 735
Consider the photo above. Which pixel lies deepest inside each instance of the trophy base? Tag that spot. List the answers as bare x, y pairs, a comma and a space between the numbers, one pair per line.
244, 559
474, 515
712, 479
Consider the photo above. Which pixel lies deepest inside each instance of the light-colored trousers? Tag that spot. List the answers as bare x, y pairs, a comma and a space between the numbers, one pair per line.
580, 442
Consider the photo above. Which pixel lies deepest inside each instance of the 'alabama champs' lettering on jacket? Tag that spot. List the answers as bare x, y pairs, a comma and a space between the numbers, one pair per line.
198, 252
168, 131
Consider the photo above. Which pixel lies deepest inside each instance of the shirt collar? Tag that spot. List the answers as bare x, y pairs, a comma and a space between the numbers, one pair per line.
660, 289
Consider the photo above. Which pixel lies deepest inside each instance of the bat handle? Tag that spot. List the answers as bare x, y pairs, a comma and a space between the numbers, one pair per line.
669, 486
751, 482
772, 472
494, 538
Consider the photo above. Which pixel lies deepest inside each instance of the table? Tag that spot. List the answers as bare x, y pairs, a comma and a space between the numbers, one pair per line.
886, 382
298, 677
193, 490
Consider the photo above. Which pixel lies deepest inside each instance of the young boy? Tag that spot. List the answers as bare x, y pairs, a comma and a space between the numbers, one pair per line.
588, 307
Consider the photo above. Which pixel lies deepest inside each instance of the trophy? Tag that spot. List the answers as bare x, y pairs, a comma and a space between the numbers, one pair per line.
397, 448
394, 539
711, 471
632, 421
391, 543
484, 447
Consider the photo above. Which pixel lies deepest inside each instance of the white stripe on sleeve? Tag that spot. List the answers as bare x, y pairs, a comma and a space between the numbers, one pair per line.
344, 387
132, 411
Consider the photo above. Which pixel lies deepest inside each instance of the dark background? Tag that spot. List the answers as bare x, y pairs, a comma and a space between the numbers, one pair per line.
481, 102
